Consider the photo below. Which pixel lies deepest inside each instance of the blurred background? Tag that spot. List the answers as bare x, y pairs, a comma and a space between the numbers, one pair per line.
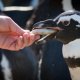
50, 64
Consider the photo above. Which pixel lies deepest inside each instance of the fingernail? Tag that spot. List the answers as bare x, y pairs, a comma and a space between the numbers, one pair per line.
27, 31
37, 37
32, 36
20, 37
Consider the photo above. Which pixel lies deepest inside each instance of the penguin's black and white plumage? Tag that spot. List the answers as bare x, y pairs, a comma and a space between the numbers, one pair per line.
18, 65
67, 30
52, 60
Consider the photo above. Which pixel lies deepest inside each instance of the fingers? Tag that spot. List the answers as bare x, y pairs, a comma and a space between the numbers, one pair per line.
10, 41
19, 42
27, 40
31, 39
37, 37
16, 44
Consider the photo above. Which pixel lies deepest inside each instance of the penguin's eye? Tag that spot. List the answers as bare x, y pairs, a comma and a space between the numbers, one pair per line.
66, 23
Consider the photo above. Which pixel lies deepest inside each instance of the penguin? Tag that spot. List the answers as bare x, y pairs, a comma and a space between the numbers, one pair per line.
18, 65
52, 60
67, 31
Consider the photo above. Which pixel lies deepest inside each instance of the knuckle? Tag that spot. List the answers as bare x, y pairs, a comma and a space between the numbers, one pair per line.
17, 49
9, 19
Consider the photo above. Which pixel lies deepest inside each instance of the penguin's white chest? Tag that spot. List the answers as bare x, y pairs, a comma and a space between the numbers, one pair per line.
71, 53
72, 49
75, 73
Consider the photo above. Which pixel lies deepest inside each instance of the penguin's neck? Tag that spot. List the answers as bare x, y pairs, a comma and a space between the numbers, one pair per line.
71, 54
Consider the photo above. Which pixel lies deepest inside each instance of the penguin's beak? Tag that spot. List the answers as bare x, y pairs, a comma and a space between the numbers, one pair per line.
47, 28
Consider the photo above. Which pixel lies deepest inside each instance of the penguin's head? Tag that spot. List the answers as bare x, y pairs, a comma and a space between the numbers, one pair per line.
66, 27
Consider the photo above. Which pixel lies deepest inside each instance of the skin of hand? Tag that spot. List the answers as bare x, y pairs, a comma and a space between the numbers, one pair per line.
12, 37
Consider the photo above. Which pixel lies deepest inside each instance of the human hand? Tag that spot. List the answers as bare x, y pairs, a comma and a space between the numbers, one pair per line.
12, 37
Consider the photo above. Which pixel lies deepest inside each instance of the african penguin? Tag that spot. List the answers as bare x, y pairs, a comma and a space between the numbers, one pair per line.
49, 9
67, 31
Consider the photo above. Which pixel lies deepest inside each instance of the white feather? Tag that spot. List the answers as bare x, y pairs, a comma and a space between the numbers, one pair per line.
72, 49
6, 68
75, 73
74, 17
78, 25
